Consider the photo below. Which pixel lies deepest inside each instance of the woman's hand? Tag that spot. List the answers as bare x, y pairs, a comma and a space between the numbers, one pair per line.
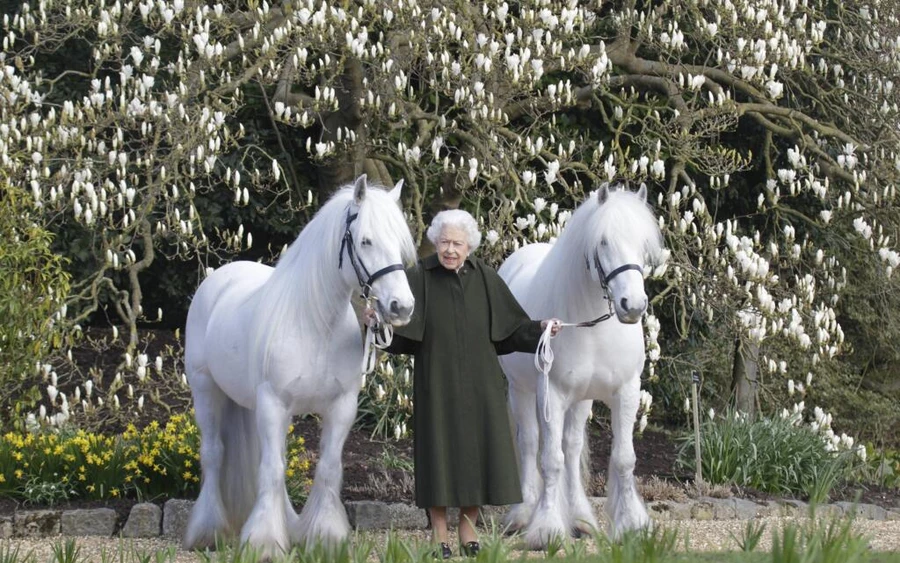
556, 325
370, 317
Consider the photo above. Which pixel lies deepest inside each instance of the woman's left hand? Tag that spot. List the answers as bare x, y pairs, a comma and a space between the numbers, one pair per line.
556, 326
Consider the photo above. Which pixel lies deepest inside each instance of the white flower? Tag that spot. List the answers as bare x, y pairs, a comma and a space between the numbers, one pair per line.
711, 413
539, 204
552, 171
643, 423
492, 237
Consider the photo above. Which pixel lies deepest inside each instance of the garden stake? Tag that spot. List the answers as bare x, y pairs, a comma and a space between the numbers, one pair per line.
695, 377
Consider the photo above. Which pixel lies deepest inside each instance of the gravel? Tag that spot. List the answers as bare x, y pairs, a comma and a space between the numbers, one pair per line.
721, 535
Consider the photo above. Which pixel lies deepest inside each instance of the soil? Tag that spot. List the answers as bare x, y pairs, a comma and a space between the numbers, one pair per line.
382, 470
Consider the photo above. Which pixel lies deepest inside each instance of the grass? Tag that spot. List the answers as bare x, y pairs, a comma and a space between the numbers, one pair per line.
769, 454
813, 541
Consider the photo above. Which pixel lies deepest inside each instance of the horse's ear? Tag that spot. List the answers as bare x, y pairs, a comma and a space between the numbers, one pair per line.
642, 192
603, 193
359, 189
395, 193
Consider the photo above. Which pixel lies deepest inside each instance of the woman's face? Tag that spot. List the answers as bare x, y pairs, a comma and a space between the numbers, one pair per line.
452, 247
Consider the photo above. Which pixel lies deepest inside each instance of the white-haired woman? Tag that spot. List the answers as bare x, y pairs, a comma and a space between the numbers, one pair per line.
464, 317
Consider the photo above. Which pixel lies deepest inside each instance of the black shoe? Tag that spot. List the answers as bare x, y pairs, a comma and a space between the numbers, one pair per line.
444, 553
470, 549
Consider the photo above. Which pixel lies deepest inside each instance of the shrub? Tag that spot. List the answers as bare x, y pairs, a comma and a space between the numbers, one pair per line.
385, 401
160, 460
769, 454
33, 288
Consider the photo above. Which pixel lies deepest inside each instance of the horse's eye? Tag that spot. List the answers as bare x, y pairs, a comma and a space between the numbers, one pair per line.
603, 242
366, 242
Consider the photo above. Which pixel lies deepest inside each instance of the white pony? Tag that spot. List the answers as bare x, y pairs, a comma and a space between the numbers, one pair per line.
263, 344
592, 271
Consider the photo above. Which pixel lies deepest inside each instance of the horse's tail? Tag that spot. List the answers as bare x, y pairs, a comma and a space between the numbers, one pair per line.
240, 462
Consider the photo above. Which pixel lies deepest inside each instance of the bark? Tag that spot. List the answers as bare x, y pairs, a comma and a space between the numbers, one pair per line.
744, 376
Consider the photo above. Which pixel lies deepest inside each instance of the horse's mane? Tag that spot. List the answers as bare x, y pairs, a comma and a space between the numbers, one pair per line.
301, 289
623, 220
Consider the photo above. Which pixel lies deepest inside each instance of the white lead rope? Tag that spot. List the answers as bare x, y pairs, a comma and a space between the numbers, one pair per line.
543, 362
378, 337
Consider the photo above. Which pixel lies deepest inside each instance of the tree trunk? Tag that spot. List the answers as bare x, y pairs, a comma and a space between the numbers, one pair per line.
744, 376
345, 166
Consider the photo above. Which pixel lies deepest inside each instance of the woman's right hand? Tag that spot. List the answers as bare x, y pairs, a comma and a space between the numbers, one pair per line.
370, 317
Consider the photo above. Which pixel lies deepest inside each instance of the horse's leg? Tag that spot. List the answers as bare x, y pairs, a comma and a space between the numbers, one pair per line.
208, 518
549, 519
624, 506
521, 404
266, 529
582, 514
324, 518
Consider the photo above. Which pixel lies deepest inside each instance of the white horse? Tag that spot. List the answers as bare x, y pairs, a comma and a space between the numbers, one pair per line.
263, 344
593, 270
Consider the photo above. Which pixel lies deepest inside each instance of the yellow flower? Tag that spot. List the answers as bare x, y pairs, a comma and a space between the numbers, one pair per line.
2, 478
186, 475
114, 492
19, 473
17, 456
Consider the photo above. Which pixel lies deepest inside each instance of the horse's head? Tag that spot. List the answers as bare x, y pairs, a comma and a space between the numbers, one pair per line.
377, 243
629, 238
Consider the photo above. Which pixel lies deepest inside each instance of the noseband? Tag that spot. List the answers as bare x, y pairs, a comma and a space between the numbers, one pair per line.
606, 278
604, 282
363, 276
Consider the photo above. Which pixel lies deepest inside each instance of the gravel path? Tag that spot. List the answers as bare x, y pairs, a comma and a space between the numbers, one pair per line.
718, 535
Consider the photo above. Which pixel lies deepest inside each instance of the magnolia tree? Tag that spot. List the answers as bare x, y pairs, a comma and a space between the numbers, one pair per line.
766, 131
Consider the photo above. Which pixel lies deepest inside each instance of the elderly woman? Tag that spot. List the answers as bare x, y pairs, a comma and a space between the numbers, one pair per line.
465, 316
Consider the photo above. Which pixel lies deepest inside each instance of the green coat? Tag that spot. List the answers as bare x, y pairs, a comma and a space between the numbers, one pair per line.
464, 452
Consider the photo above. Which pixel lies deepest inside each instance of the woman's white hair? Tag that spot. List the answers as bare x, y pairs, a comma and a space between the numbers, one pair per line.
455, 218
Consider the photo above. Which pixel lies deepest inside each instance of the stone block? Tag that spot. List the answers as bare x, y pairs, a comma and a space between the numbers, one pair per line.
406, 517
703, 510
368, 515
89, 522
786, 508
722, 508
862, 511
663, 510
175, 518
144, 521
36, 523
6, 527
747, 510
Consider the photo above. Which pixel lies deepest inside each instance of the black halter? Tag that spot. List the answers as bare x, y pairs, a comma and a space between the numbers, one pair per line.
363, 276
604, 282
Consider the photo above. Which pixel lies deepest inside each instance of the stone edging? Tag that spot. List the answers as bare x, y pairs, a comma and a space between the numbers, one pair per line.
150, 520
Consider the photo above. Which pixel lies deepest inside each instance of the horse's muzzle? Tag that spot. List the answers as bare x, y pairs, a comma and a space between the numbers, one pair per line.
397, 313
627, 313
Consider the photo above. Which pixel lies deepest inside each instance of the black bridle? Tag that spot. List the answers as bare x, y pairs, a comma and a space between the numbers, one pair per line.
604, 283
363, 276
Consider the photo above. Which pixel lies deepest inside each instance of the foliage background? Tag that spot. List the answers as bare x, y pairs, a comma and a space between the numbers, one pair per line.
155, 140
